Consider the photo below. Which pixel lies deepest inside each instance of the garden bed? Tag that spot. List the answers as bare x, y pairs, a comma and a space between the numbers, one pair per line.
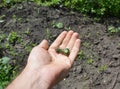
98, 64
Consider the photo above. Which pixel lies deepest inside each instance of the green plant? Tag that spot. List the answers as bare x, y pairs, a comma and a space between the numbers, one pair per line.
14, 18
27, 31
48, 34
8, 68
2, 46
58, 25
1, 21
112, 29
13, 37
119, 44
86, 44
90, 61
67, 28
103, 68
9, 3
8, 43
1, 18
47, 2
29, 46
81, 55
96, 7
2, 37
7, 72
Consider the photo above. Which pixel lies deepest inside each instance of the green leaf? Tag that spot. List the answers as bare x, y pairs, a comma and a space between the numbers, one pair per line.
90, 61
7, 1
118, 28
1, 21
1, 87
59, 25
5, 60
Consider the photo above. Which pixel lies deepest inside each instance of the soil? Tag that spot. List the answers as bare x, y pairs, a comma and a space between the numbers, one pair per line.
98, 67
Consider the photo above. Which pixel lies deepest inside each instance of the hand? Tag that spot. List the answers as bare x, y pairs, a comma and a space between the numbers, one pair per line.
47, 65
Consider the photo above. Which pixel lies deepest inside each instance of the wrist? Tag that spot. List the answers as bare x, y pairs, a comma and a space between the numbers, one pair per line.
29, 79
36, 79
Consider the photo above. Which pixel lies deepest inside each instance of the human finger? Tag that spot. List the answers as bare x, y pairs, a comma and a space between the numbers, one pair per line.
44, 44
67, 39
59, 40
75, 50
72, 41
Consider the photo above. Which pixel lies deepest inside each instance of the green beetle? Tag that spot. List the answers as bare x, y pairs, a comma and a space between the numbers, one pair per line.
65, 51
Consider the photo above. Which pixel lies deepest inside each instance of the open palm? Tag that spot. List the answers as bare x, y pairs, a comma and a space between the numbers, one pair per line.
51, 64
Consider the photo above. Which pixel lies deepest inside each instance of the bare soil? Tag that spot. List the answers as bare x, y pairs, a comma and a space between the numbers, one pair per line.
98, 67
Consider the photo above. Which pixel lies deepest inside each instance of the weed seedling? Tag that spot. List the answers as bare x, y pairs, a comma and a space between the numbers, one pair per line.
112, 29
67, 28
5, 60
1, 18
28, 47
81, 55
13, 37
103, 68
86, 44
58, 25
48, 34
2, 37
118, 44
7, 72
27, 31
90, 61
14, 18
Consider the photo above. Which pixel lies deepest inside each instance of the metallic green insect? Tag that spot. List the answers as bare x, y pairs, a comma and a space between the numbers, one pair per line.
65, 51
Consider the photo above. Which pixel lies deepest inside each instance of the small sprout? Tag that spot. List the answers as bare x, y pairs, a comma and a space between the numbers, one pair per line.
86, 44
5, 60
118, 44
20, 19
14, 16
27, 31
90, 61
81, 55
59, 25
103, 68
13, 37
2, 16
48, 34
7, 1
112, 29
118, 29
1, 21
20, 7
67, 28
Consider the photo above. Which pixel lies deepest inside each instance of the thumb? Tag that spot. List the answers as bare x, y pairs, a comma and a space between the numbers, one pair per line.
44, 44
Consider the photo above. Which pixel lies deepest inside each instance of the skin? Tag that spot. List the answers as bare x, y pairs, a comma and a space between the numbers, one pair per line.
46, 67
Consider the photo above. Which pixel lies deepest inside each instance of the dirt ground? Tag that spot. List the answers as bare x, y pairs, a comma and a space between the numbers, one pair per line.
98, 64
